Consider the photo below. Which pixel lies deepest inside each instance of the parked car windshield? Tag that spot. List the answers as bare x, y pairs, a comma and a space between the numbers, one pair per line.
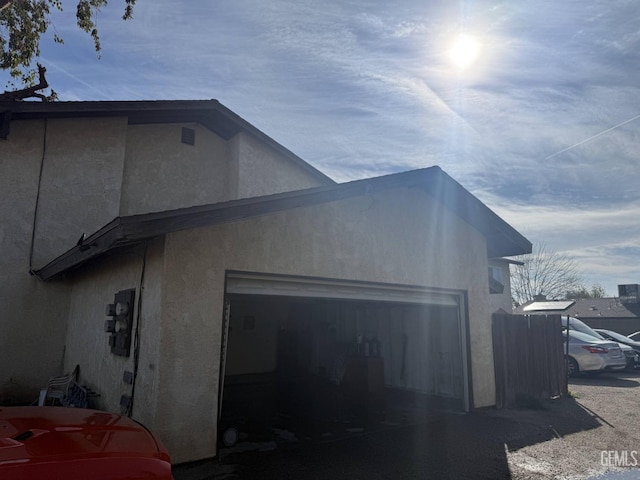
575, 324
635, 336
583, 337
618, 337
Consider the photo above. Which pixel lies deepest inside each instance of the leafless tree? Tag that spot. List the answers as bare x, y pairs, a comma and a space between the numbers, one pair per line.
545, 272
596, 291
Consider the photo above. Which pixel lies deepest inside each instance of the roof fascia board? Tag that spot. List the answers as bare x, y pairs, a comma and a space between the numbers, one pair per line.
507, 261
96, 244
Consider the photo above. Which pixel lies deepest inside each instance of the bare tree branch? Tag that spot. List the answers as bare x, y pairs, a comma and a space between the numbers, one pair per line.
545, 272
24, 23
29, 92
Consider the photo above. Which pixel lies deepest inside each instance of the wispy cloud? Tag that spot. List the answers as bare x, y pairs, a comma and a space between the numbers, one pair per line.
361, 89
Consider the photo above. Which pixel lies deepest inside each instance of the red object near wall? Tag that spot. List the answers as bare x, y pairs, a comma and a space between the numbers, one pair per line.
74, 443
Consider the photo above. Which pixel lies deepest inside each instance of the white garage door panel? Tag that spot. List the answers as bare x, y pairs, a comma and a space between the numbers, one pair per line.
259, 284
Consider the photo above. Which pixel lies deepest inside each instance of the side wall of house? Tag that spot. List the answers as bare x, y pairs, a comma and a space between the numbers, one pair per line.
70, 169
86, 173
356, 239
87, 343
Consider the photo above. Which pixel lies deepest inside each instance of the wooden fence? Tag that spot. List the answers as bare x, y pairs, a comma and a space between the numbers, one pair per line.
528, 357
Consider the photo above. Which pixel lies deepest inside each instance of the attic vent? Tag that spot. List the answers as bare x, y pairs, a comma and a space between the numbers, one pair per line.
188, 136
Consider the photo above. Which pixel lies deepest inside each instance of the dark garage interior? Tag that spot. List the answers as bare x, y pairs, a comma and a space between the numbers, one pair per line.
321, 368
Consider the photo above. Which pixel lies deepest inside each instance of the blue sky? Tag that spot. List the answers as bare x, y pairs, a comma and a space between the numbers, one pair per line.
365, 88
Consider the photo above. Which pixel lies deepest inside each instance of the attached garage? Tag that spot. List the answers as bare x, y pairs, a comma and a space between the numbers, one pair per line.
314, 306
308, 354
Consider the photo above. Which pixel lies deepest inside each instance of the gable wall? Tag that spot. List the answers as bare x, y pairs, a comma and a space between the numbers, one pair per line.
162, 173
262, 171
401, 237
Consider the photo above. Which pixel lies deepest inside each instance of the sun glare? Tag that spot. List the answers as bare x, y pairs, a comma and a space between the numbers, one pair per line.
464, 51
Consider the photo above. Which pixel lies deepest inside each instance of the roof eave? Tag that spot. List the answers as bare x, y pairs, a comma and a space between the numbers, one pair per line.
100, 242
137, 228
209, 113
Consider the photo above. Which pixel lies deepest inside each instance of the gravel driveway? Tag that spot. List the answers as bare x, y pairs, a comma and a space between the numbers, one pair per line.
562, 439
613, 402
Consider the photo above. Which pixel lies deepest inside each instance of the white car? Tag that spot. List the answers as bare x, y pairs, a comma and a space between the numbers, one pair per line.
630, 347
635, 336
589, 354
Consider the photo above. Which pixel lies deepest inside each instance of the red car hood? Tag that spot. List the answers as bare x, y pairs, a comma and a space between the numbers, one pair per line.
37, 435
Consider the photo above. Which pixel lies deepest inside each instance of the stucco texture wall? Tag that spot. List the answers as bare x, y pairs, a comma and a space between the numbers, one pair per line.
94, 169
87, 343
258, 170
162, 173
400, 236
81, 179
32, 315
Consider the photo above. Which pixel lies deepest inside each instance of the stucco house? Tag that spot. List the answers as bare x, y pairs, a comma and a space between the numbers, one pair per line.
174, 251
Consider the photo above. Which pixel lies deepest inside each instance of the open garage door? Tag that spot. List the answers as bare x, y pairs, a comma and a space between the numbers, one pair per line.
319, 351
281, 285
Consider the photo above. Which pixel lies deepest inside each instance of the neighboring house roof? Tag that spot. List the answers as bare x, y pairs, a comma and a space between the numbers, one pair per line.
502, 239
546, 306
209, 113
608, 307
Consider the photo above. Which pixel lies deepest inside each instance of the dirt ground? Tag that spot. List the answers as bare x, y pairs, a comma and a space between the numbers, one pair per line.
610, 405
593, 434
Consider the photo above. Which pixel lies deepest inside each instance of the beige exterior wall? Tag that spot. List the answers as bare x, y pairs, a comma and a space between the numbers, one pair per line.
94, 169
87, 343
258, 171
81, 178
162, 173
32, 315
379, 238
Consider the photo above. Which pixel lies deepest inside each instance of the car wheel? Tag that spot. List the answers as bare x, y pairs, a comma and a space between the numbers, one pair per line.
572, 367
